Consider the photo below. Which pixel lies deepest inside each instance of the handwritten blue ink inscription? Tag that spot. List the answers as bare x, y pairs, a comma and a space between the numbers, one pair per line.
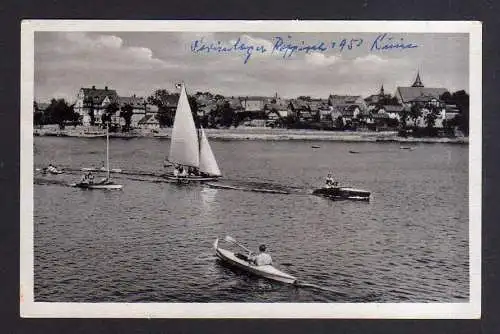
287, 47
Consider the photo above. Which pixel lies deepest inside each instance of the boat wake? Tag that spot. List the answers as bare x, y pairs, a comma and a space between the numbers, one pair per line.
250, 184
300, 284
256, 186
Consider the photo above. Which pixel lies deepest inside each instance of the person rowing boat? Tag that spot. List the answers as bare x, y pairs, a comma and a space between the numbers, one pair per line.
259, 265
260, 259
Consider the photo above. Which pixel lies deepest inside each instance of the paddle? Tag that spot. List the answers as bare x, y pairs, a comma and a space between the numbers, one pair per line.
232, 240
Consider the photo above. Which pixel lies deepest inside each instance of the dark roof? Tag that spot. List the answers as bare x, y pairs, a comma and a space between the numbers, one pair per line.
297, 104
98, 95
316, 105
409, 94
343, 99
352, 107
170, 101
148, 119
134, 101
259, 98
392, 108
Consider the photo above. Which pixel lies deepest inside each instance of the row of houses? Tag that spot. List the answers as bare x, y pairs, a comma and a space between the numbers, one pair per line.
96, 100
378, 110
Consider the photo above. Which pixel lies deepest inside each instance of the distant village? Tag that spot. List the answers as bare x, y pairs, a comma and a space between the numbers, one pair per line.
412, 110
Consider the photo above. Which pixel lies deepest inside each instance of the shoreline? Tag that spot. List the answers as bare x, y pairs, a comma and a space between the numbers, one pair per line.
264, 134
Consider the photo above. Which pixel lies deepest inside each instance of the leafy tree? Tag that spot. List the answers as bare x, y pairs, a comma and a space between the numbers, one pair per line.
164, 117
59, 111
431, 116
110, 111
404, 117
415, 113
446, 97
37, 115
225, 115
461, 100
339, 122
126, 112
159, 98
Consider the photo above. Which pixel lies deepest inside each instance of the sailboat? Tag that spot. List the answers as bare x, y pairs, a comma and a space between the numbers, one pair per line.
105, 183
189, 146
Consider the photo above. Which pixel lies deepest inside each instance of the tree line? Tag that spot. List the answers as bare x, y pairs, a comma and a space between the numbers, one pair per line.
223, 115
60, 112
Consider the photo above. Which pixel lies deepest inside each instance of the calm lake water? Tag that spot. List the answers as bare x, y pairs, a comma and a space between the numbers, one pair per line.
152, 241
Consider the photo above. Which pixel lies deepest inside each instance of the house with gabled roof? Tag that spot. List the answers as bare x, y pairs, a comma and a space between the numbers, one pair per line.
340, 102
149, 122
93, 100
417, 92
254, 104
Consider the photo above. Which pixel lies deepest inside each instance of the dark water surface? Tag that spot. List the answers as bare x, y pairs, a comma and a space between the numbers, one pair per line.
153, 241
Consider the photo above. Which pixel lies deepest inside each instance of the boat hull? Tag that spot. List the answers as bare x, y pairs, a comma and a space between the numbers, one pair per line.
337, 193
267, 271
52, 172
187, 179
91, 169
97, 186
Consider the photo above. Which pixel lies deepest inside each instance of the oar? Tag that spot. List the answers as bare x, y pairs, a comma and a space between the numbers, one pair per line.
232, 240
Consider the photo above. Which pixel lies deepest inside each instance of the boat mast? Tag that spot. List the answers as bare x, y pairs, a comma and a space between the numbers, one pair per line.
107, 150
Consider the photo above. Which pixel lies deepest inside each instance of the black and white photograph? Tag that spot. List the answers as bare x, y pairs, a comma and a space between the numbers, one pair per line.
271, 169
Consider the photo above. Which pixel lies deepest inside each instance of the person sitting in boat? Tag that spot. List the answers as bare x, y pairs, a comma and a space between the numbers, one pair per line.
90, 178
330, 181
182, 171
87, 178
191, 171
52, 169
262, 258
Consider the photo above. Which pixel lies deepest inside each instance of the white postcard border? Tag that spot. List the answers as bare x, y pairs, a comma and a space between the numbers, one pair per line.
468, 310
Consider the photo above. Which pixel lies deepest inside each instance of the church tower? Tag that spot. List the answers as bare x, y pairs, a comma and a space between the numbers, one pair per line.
381, 94
418, 82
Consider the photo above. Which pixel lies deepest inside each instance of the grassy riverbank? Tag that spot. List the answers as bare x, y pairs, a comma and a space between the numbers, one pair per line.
252, 133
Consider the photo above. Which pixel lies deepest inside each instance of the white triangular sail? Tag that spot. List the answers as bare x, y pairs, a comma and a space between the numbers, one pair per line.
184, 147
208, 164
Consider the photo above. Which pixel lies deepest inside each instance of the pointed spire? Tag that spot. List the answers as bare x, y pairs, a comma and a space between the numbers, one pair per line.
381, 90
418, 82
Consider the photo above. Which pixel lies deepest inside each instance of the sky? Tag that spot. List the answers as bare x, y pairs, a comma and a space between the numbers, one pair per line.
141, 62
